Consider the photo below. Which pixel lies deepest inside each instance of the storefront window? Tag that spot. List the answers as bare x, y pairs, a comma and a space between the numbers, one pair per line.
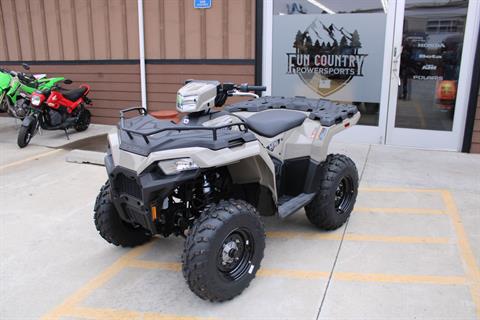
430, 63
330, 49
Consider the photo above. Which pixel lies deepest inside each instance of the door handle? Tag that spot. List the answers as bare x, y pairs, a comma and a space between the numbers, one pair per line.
397, 57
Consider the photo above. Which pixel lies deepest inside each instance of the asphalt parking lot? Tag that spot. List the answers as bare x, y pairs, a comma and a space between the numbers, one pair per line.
411, 249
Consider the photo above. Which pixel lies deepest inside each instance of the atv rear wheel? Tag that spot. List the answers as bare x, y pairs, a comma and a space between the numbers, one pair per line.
83, 120
336, 196
223, 250
111, 227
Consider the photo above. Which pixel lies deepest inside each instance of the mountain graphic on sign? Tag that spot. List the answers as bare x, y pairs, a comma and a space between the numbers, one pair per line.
321, 38
326, 57
327, 33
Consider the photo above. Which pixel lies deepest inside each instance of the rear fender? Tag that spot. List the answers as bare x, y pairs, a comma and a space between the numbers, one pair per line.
324, 136
48, 83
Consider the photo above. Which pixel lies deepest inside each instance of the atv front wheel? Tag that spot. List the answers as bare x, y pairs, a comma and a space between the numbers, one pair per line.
223, 250
111, 227
337, 194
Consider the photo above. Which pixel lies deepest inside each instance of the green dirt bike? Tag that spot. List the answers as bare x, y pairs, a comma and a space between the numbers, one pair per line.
16, 88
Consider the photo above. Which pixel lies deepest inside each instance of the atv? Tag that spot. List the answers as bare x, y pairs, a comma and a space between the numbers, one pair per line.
211, 176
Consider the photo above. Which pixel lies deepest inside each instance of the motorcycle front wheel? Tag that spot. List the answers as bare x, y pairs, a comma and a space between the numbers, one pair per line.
26, 133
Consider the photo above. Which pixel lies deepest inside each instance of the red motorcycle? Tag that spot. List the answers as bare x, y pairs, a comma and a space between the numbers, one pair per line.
56, 109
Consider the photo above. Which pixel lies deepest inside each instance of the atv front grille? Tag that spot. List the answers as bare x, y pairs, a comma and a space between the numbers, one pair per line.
125, 185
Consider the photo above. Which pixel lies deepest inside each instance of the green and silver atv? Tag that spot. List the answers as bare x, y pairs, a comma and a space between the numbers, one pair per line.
210, 177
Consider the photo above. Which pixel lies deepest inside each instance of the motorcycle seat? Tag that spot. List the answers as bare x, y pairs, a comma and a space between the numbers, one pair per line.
270, 123
74, 94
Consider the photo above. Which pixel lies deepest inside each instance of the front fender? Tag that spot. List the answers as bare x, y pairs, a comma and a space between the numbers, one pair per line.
5, 79
12, 92
28, 121
248, 163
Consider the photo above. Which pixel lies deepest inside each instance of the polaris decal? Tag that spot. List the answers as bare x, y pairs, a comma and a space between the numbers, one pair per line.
273, 145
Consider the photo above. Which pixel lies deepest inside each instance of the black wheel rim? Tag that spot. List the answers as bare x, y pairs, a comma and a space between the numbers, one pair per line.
344, 195
28, 135
235, 254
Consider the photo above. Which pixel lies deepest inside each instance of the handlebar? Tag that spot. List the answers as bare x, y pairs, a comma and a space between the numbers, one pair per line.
246, 88
24, 77
229, 89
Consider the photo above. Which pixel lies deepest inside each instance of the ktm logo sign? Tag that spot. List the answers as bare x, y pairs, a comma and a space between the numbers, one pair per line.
326, 58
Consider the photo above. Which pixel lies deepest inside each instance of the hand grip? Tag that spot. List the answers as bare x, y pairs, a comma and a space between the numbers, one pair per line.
247, 88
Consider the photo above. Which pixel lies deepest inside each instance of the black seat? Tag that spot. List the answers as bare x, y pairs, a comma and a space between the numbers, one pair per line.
74, 94
269, 123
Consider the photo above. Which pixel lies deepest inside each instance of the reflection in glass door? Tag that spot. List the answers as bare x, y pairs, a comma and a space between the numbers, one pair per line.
427, 60
335, 50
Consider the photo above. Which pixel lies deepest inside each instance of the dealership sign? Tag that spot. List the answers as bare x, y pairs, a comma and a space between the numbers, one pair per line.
335, 56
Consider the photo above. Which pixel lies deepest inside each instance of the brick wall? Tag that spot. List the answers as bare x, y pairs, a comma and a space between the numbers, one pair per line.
117, 86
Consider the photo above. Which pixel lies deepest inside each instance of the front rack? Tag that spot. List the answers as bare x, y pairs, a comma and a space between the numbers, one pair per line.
241, 126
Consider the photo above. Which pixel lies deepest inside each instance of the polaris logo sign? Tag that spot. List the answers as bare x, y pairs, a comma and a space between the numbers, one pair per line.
335, 56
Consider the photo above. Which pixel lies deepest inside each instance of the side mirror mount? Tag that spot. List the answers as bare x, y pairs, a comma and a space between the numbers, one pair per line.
67, 81
25, 66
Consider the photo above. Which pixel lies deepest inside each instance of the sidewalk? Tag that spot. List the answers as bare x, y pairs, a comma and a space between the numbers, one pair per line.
410, 250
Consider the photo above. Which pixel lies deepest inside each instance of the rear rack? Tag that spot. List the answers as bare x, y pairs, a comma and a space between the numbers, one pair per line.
241, 126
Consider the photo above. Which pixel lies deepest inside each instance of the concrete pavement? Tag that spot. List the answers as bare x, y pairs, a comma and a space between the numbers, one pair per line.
410, 250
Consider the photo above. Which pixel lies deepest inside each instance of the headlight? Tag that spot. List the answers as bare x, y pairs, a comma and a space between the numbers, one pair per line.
177, 165
186, 103
36, 101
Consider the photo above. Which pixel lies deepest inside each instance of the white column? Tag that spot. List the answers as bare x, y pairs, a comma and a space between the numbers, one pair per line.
141, 43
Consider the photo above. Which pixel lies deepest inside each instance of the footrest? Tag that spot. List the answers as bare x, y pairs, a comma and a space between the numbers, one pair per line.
294, 204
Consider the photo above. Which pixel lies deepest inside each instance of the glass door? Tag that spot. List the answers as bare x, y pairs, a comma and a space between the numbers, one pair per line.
430, 73
336, 50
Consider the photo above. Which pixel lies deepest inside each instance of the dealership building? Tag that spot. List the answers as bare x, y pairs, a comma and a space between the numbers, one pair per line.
412, 67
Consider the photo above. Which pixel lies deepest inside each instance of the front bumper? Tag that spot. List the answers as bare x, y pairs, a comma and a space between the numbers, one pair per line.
134, 195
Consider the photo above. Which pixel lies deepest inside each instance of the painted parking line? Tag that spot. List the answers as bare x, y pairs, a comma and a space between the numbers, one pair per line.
38, 156
70, 307
399, 190
77, 297
356, 237
153, 265
312, 274
400, 210
472, 270
115, 314
466, 253
399, 278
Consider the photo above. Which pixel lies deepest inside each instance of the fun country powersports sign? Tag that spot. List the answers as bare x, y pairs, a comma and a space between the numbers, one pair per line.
335, 56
